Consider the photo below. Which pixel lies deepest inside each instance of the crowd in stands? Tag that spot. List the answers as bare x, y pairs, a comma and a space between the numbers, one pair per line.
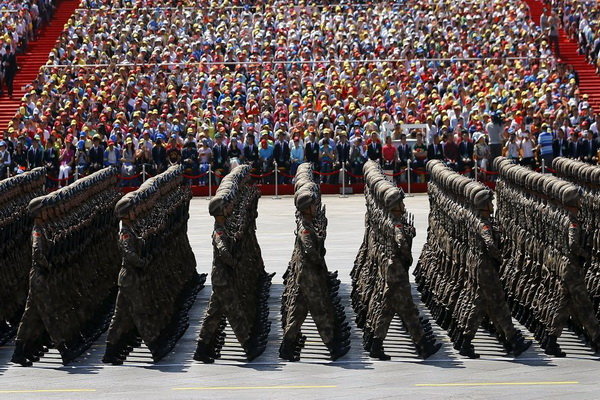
19, 23
333, 85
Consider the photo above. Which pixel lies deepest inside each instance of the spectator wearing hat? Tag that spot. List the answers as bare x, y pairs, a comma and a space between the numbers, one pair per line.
5, 160
35, 154
112, 155
96, 154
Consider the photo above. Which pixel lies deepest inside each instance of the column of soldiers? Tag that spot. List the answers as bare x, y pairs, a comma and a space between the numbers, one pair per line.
542, 271
457, 273
308, 285
587, 177
380, 284
73, 278
158, 282
15, 246
240, 285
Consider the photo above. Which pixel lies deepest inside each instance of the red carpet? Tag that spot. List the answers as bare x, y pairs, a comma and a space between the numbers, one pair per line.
35, 56
589, 81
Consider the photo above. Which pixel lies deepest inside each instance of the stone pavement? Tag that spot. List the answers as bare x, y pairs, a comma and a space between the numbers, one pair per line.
445, 375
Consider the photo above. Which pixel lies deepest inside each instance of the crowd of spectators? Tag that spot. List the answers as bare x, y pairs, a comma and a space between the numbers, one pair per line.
146, 87
581, 20
19, 23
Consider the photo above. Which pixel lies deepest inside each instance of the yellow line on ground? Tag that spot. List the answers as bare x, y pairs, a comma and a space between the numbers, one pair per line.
497, 384
254, 387
48, 391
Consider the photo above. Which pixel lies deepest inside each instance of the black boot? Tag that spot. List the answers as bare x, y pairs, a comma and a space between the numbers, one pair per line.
518, 345
377, 350
553, 348
19, 355
202, 353
427, 348
468, 350
337, 350
288, 352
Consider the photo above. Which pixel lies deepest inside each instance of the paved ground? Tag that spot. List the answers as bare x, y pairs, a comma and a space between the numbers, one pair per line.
446, 375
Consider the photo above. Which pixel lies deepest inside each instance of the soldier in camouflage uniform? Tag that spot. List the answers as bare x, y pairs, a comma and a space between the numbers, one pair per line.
239, 281
543, 254
380, 284
457, 273
15, 246
158, 282
72, 282
309, 287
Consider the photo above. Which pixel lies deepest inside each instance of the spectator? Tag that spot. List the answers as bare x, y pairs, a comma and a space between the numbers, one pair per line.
66, 159
527, 146
35, 154
19, 159
234, 153
481, 153
389, 155
265, 154
326, 159
465, 152
512, 148
127, 159
560, 145
251, 152
544, 147
220, 157
281, 155
435, 150
159, 155
5, 160
374, 148
588, 149
112, 155
82, 161
51, 161
312, 150
450, 149
296, 155
358, 158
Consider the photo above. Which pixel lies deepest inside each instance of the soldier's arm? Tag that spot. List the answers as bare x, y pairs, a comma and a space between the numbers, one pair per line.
38, 250
487, 235
130, 256
309, 248
222, 251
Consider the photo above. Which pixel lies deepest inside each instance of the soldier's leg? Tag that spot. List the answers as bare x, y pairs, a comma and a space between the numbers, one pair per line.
581, 304
212, 320
400, 298
317, 295
493, 301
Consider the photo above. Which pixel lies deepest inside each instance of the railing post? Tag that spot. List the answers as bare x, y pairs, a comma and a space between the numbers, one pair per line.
276, 181
143, 172
476, 169
543, 166
408, 178
209, 181
343, 171
76, 174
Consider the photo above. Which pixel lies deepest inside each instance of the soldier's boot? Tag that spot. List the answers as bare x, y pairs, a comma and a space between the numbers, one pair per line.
287, 351
427, 347
18, 356
468, 350
111, 356
338, 349
595, 344
553, 348
202, 353
254, 347
377, 350
518, 345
